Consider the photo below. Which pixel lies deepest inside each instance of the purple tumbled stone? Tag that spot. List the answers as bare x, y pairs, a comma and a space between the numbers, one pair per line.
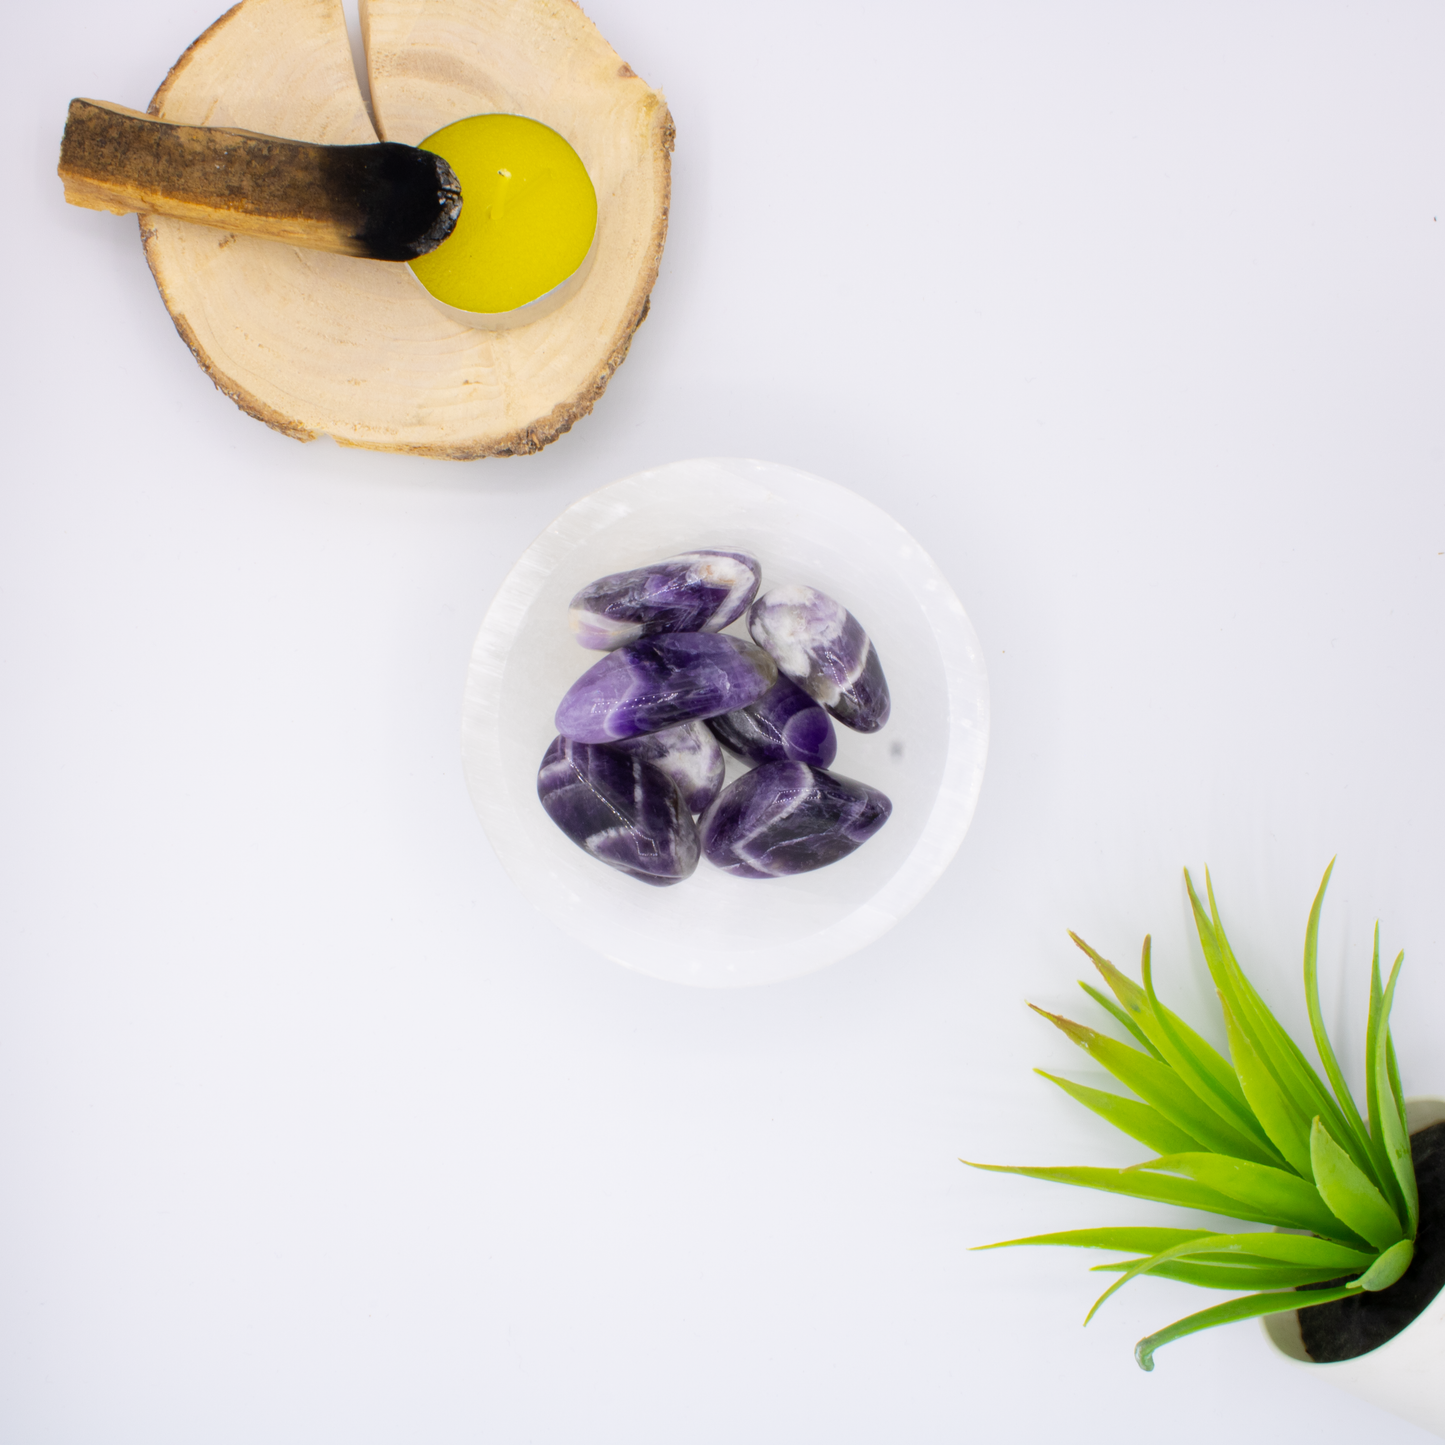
784, 725
819, 644
785, 818
661, 681
688, 754
621, 810
694, 592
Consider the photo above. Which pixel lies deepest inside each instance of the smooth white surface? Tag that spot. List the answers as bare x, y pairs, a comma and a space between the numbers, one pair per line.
1131, 315
713, 930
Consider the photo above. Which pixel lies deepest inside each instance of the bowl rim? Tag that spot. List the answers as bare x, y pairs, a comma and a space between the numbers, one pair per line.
965, 674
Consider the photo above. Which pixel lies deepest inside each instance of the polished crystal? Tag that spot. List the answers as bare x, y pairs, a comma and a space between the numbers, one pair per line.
693, 592
786, 818
658, 682
820, 645
621, 810
784, 725
688, 754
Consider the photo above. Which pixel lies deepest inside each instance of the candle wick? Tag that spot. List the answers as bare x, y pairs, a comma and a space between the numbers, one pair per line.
499, 196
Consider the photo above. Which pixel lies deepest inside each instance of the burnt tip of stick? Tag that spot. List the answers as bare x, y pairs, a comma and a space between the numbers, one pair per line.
384, 201
406, 200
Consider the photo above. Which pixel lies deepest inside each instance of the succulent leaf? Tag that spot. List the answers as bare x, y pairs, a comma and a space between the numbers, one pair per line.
1137, 1267
1388, 1268
1248, 1307
1201, 1066
1304, 1251
1292, 1071
1161, 1188
1349, 1195
1288, 1129
1297, 1249
1126, 1240
1394, 1135
1355, 1138
1157, 1084
1377, 999
1159, 1027
1233, 1277
1113, 1009
1260, 1188
1138, 1121
1394, 1073
1261, 1138
1248, 1275
1384, 1172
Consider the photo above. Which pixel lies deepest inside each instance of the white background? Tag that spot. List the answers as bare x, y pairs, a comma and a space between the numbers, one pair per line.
313, 1132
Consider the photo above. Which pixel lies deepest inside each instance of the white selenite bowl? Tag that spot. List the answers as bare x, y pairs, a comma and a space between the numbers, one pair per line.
715, 930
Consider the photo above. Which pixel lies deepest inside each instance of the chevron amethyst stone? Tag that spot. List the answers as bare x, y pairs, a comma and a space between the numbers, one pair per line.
694, 592
657, 682
688, 754
820, 645
785, 818
784, 725
621, 810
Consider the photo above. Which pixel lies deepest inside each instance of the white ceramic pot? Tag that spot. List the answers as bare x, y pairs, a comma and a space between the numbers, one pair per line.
1405, 1375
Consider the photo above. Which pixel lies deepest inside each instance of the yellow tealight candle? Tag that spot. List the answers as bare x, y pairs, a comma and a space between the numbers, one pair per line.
528, 221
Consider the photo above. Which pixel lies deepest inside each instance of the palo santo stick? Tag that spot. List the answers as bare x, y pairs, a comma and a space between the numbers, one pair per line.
387, 202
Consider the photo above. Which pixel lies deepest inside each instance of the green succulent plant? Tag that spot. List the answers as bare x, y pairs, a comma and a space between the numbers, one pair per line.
1255, 1137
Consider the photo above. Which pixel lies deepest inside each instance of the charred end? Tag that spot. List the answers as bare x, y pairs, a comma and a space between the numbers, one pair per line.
407, 200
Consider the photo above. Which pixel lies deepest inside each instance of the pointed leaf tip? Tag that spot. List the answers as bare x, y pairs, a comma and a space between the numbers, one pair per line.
1093, 953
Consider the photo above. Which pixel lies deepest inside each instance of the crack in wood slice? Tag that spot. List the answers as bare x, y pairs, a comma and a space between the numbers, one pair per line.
312, 343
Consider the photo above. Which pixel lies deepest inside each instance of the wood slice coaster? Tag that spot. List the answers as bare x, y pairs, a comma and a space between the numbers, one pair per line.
311, 342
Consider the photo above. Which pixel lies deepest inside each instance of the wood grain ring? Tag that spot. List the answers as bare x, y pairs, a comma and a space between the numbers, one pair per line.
313, 343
